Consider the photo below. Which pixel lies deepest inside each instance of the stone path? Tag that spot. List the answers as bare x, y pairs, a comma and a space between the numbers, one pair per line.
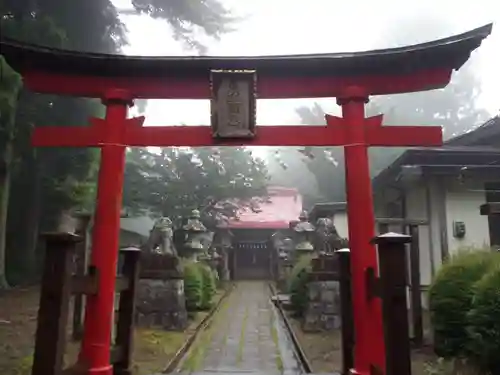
246, 336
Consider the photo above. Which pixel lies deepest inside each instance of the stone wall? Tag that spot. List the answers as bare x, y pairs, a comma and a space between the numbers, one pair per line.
161, 303
323, 307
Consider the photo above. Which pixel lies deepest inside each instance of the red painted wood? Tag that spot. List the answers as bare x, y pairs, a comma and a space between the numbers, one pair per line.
404, 136
353, 130
369, 336
197, 136
96, 344
267, 87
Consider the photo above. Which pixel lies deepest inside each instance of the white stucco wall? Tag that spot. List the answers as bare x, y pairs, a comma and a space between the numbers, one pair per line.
459, 202
417, 209
462, 204
450, 201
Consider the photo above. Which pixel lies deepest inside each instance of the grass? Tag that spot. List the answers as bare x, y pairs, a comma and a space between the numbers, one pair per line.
154, 348
274, 335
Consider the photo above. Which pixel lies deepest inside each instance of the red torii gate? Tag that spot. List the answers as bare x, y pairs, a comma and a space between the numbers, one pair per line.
349, 77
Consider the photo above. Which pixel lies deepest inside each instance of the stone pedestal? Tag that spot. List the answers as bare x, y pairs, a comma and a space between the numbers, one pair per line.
161, 303
323, 307
160, 293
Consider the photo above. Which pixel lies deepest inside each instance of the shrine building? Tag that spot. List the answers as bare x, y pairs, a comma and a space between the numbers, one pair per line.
252, 255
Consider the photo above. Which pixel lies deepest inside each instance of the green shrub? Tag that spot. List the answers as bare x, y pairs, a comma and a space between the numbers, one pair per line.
297, 284
450, 299
484, 323
193, 285
209, 287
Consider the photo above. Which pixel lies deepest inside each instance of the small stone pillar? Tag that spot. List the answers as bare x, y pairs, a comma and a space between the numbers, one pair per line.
160, 294
222, 243
391, 288
224, 274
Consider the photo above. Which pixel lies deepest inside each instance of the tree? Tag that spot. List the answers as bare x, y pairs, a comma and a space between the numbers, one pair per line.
175, 181
189, 17
287, 167
454, 108
50, 180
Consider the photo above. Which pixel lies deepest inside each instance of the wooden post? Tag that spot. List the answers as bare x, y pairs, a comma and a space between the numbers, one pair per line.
346, 310
50, 339
80, 269
126, 313
391, 288
416, 295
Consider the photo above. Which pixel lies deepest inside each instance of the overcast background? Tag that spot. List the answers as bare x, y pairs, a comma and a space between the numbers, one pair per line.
313, 26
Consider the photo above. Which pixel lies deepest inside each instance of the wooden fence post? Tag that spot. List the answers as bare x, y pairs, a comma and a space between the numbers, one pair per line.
391, 288
126, 312
416, 294
80, 270
346, 313
53, 310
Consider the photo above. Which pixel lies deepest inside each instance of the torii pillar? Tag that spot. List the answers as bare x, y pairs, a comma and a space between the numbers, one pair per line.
369, 347
96, 344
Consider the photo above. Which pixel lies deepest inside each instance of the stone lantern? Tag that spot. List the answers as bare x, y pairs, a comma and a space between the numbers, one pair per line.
195, 231
212, 258
222, 246
304, 232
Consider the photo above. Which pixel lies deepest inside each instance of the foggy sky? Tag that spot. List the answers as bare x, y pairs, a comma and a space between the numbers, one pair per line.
317, 26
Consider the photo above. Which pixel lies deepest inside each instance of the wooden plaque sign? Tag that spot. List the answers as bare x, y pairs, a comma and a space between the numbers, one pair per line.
233, 103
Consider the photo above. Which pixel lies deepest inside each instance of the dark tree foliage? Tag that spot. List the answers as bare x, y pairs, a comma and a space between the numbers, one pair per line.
175, 181
45, 182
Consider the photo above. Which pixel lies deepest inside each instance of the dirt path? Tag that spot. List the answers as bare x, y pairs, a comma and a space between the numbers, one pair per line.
18, 313
245, 336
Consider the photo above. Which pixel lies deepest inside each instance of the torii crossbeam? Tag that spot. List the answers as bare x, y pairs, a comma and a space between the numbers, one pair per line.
352, 78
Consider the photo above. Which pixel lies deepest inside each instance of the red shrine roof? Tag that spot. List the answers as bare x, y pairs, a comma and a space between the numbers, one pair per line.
284, 205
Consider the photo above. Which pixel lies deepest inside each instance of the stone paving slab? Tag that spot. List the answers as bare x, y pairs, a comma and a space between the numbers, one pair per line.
243, 340
246, 336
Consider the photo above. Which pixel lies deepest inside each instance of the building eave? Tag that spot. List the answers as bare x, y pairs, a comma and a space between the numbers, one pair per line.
447, 158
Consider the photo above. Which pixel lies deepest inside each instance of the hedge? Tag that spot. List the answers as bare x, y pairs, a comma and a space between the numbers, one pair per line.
297, 284
484, 323
209, 286
200, 285
451, 298
193, 285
